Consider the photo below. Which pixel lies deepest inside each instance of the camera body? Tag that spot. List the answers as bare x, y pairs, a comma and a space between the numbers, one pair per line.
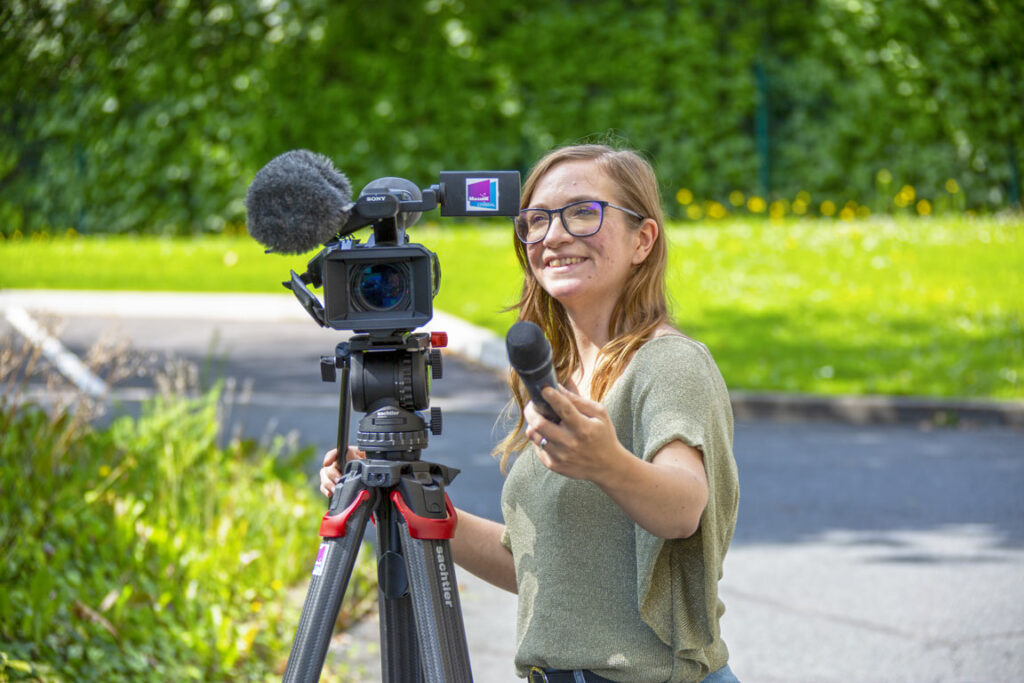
386, 286
379, 288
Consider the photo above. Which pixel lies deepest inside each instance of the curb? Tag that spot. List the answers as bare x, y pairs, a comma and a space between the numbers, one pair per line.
868, 410
486, 349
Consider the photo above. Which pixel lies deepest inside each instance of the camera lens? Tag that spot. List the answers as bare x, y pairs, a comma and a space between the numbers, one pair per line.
380, 287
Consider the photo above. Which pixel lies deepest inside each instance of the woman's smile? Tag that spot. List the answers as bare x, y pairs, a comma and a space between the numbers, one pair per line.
563, 262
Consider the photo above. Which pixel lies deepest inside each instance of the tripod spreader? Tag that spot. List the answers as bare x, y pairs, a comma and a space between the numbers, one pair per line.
428, 513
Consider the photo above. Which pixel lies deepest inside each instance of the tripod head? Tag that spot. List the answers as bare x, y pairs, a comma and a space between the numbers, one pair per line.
390, 384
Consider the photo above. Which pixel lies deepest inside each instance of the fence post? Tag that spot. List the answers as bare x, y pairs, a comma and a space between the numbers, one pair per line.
761, 130
1011, 150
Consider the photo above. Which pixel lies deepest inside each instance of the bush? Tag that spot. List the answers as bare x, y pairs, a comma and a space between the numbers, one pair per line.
146, 550
153, 117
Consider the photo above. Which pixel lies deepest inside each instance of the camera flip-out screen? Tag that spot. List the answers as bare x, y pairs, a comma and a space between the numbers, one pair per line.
480, 193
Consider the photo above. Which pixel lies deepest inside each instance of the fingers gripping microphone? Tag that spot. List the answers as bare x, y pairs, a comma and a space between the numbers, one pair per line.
297, 202
529, 354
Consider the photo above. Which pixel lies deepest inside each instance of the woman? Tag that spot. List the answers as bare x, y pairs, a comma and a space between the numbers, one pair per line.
618, 517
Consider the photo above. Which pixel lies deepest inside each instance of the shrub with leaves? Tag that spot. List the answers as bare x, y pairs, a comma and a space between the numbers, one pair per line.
147, 550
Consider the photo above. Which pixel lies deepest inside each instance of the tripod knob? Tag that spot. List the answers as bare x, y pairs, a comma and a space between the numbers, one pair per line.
436, 421
436, 370
328, 368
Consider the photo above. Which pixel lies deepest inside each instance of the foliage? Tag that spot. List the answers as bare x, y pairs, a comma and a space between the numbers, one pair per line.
927, 306
146, 550
136, 115
123, 115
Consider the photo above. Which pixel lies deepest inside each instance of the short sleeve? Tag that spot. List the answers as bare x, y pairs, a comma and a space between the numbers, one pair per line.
677, 393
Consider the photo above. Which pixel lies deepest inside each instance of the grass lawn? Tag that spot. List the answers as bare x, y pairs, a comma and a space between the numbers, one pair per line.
920, 307
930, 307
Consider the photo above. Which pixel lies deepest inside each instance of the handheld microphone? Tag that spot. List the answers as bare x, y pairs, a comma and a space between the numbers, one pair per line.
297, 202
529, 354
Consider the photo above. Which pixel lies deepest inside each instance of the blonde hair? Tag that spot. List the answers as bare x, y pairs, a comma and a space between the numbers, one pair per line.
639, 311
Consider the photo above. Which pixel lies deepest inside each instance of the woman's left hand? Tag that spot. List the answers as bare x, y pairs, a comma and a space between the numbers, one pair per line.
583, 444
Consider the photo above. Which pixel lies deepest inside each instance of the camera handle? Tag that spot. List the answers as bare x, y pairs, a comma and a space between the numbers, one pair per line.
423, 637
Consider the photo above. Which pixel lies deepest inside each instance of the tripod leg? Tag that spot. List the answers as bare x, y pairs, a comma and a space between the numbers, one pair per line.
342, 531
399, 647
441, 634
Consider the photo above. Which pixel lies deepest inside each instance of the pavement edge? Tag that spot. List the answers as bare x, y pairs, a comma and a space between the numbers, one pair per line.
487, 350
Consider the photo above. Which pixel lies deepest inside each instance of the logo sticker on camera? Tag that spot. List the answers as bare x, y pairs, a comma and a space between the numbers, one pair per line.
321, 559
481, 194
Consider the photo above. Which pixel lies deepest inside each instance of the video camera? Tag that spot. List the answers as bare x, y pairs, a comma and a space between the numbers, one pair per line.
386, 286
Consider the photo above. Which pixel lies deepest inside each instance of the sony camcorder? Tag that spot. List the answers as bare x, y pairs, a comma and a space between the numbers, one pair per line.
386, 286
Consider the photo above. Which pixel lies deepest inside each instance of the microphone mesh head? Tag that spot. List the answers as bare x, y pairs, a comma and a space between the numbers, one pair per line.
528, 348
297, 202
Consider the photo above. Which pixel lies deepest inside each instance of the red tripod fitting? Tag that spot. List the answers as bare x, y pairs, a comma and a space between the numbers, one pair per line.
333, 527
425, 528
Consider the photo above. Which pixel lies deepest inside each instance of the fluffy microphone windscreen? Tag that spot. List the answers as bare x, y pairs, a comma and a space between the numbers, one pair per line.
297, 202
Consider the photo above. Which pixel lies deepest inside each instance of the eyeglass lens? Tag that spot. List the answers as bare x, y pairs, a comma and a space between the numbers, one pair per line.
581, 219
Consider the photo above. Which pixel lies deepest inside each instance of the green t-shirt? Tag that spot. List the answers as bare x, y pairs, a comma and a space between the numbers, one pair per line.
596, 591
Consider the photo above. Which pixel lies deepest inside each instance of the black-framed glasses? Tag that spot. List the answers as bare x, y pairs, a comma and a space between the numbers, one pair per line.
580, 219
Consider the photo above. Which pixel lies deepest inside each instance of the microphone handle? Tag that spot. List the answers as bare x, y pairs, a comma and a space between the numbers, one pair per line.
535, 382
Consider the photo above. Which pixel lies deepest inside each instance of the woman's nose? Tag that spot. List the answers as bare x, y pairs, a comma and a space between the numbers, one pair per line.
556, 231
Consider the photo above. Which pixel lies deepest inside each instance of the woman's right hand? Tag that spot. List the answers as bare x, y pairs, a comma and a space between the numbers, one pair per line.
330, 473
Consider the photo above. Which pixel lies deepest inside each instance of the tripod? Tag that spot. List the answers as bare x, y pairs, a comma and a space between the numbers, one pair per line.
423, 639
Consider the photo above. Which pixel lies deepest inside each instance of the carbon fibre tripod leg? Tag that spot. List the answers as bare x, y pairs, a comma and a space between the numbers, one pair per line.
342, 531
399, 640
424, 524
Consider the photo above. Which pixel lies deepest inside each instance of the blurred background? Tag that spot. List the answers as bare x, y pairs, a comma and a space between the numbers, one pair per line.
133, 116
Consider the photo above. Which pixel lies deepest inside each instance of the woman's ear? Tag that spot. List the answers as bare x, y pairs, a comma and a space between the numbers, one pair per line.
644, 238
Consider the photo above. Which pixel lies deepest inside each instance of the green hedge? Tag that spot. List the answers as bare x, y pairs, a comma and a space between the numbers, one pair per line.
142, 116
148, 552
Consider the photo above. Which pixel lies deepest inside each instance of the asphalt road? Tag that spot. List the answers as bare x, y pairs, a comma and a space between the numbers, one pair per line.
863, 553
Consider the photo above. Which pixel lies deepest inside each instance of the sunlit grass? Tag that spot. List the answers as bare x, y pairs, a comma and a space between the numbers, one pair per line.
125, 262
931, 306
